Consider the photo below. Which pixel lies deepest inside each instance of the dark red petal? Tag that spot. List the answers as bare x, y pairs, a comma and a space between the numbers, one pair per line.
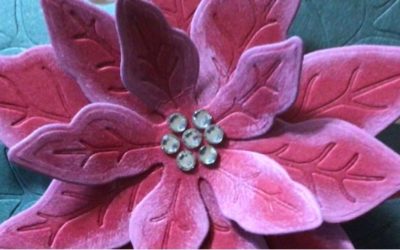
226, 234
102, 143
28, 83
74, 216
259, 195
179, 13
327, 236
223, 29
86, 43
264, 85
171, 216
348, 170
359, 84
159, 64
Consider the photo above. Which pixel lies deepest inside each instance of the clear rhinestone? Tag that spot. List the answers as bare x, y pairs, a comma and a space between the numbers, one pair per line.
186, 161
201, 119
177, 122
192, 138
208, 155
214, 134
170, 144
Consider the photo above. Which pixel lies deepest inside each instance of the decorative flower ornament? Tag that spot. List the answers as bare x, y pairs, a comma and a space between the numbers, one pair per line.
178, 150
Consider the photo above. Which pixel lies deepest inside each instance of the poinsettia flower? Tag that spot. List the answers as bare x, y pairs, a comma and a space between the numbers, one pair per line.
228, 74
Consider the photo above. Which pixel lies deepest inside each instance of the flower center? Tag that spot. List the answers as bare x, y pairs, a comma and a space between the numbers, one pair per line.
192, 138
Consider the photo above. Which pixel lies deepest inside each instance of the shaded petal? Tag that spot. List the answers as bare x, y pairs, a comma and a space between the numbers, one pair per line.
264, 85
223, 29
225, 234
327, 236
259, 195
74, 216
348, 170
103, 142
171, 216
28, 83
86, 43
178, 13
359, 84
159, 64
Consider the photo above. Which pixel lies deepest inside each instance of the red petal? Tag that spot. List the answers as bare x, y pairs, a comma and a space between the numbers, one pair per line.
327, 236
28, 83
264, 85
86, 42
74, 216
359, 84
223, 30
225, 234
160, 64
103, 142
179, 13
257, 193
349, 171
171, 216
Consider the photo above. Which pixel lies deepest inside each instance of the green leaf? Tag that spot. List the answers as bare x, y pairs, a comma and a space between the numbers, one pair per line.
379, 228
19, 188
391, 137
325, 24
21, 26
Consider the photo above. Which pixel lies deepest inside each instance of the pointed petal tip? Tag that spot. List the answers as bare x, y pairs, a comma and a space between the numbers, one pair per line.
297, 42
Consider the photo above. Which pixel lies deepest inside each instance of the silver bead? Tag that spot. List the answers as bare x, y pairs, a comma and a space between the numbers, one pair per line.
186, 161
201, 119
192, 138
208, 155
214, 134
177, 122
170, 144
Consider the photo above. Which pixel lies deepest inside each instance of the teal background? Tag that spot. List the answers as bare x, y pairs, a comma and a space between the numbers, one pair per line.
320, 23
331, 23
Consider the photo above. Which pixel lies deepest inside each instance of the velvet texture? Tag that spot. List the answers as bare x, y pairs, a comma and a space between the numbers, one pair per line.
127, 189
367, 87
23, 107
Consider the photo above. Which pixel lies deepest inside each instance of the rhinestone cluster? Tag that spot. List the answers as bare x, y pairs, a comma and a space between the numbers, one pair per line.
192, 138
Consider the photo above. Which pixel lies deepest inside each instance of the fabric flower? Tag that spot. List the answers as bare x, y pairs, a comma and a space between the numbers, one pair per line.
111, 151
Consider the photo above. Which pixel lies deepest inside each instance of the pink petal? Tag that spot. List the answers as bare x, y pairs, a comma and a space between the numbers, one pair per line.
359, 84
349, 171
28, 83
86, 43
102, 143
327, 236
74, 216
225, 234
259, 195
223, 30
160, 64
264, 85
171, 216
179, 13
